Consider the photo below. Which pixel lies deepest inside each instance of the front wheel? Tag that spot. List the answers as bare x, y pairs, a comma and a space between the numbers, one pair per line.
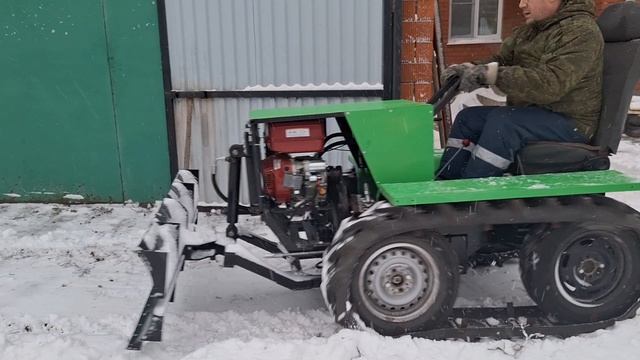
401, 284
583, 272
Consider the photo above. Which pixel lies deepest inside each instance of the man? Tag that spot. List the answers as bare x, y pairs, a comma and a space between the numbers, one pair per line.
551, 71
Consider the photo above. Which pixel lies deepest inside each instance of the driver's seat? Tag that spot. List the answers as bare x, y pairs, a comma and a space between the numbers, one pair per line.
620, 26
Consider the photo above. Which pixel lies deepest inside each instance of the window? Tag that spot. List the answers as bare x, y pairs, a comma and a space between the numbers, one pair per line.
475, 21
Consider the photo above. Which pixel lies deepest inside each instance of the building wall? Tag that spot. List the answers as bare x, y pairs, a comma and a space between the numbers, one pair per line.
82, 102
417, 52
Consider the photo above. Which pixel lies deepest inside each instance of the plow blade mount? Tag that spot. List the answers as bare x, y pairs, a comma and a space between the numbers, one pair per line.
163, 252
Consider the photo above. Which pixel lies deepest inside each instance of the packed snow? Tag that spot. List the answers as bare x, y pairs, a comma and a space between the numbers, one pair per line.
73, 288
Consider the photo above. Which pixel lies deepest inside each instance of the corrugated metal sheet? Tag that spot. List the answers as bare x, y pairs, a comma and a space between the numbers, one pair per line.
235, 44
207, 127
232, 44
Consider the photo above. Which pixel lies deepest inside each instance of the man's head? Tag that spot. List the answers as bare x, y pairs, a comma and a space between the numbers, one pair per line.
538, 10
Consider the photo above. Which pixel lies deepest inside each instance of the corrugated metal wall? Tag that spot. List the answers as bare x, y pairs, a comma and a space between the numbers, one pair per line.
241, 45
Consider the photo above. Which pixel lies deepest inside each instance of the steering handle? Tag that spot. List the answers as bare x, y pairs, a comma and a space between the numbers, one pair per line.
445, 94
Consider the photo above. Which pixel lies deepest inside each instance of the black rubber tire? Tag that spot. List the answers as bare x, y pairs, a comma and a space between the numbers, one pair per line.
528, 258
551, 262
348, 277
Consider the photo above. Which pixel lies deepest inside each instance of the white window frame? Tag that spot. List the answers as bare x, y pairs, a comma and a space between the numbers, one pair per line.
475, 38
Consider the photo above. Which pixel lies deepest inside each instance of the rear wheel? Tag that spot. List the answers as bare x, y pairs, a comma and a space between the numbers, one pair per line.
402, 284
583, 272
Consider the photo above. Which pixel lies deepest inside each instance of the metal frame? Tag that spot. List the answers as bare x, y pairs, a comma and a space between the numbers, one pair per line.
310, 282
392, 39
274, 93
166, 81
278, 223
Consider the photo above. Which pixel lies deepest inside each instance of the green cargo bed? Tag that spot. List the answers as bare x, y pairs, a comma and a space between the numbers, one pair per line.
508, 187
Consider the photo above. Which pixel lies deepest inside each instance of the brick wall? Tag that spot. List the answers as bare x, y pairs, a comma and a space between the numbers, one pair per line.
416, 65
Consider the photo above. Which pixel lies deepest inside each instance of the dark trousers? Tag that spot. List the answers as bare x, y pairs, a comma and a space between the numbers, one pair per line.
485, 139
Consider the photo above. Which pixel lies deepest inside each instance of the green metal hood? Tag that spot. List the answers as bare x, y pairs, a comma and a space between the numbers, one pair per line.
395, 136
331, 110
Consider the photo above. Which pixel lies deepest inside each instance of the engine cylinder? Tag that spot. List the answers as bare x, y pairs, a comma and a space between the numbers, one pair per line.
274, 170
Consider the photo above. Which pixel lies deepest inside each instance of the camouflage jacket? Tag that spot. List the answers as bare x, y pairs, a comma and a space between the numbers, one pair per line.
556, 64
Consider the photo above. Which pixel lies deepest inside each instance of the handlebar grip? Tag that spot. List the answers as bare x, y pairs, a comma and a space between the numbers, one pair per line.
445, 94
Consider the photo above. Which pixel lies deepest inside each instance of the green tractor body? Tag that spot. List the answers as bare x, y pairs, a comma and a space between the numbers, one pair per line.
393, 241
396, 141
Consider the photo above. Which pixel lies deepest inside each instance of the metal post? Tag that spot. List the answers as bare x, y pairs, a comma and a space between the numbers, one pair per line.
252, 145
166, 81
235, 161
392, 37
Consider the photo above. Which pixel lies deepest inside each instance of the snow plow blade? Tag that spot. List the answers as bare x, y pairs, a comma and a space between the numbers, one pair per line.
163, 252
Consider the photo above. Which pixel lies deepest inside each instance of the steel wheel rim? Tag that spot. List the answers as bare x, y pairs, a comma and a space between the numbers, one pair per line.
590, 269
399, 282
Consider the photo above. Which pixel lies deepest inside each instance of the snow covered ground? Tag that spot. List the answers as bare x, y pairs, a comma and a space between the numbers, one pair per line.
72, 288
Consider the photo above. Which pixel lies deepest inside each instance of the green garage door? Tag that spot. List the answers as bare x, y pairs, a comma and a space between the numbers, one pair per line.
81, 102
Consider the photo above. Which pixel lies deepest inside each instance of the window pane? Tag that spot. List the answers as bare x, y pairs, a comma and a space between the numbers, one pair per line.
461, 18
488, 17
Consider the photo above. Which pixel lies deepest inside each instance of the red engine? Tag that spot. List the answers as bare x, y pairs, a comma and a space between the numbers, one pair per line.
285, 176
274, 169
296, 136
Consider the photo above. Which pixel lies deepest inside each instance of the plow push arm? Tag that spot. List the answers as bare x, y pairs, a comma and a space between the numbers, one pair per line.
171, 240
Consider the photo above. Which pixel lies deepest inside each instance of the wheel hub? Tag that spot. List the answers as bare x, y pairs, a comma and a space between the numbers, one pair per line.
398, 282
589, 269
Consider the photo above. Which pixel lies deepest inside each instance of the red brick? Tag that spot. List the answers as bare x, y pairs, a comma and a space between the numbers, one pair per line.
426, 9
455, 54
428, 77
423, 92
414, 72
407, 51
424, 52
409, 10
417, 29
406, 91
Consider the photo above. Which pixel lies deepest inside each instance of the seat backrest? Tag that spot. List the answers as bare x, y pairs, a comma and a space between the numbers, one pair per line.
620, 26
